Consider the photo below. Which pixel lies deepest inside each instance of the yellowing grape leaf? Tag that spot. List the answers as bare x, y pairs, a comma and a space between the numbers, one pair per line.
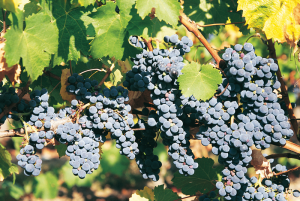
279, 19
64, 83
125, 65
12, 5
146, 193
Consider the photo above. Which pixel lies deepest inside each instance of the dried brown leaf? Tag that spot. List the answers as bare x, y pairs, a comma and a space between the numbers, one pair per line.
261, 164
13, 73
64, 83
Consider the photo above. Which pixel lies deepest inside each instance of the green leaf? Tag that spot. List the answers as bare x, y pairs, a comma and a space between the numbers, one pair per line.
209, 12
6, 167
110, 33
61, 149
147, 27
35, 43
125, 7
14, 190
85, 63
199, 81
46, 186
166, 194
203, 180
72, 25
112, 161
166, 10
31, 8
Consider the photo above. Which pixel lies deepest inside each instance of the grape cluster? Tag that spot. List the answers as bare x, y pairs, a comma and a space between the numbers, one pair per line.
269, 189
82, 148
106, 112
147, 162
247, 112
8, 96
159, 64
31, 163
158, 71
41, 116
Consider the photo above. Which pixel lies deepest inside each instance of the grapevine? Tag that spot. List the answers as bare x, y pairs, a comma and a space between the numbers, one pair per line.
78, 77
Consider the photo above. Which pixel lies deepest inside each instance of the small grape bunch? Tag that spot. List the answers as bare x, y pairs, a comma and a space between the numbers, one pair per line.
31, 163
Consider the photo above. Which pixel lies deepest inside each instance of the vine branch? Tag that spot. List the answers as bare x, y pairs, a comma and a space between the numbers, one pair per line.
284, 155
292, 147
13, 133
48, 73
8, 109
272, 54
290, 170
192, 28
218, 24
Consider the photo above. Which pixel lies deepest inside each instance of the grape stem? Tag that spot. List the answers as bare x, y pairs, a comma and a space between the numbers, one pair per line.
8, 109
272, 54
138, 129
109, 70
192, 28
94, 69
148, 43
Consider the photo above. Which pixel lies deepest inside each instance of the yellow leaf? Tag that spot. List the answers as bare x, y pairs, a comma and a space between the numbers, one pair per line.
12, 5
108, 84
64, 83
279, 19
146, 193
125, 66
